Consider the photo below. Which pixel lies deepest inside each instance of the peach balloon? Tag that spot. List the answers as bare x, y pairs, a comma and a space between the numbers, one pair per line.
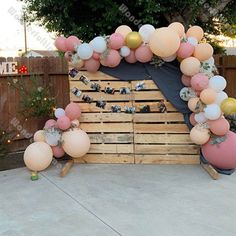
39, 136
38, 156
185, 50
196, 32
203, 51
208, 96
92, 65
199, 135
113, 58
76, 143
164, 42
192, 104
143, 53
190, 66
131, 58
219, 127
96, 56
123, 30
178, 28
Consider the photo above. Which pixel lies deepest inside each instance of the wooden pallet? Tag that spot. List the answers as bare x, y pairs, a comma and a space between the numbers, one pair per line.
153, 137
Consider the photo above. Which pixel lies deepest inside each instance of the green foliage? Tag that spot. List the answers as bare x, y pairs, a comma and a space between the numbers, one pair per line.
89, 18
4, 136
35, 100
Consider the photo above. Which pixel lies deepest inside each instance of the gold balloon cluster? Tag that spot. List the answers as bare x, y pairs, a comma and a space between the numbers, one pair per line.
228, 106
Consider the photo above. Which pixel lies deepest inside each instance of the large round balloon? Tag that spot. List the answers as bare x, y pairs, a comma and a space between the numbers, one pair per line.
58, 151
99, 44
143, 53
199, 82
92, 65
185, 50
123, 30
218, 83
71, 43
220, 97
131, 58
113, 58
76, 143
190, 66
38, 156
146, 31
192, 104
221, 155
208, 96
84, 51
164, 42
203, 51
133, 40
228, 106
219, 127
212, 112
60, 44
196, 32
116, 41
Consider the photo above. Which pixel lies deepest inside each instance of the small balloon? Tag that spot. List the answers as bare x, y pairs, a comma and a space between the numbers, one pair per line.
73, 111
39, 136
116, 41
131, 58
123, 30
133, 40
113, 58
200, 117
199, 135
219, 127
203, 51
146, 31
228, 106
199, 82
196, 32
185, 50
58, 152
192, 41
190, 66
84, 51
92, 65
60, 44
99, 44
50, 124
71, 43
143, 53
218, 83
208, 96
59, 112
193, 103
212, 112
64, 122
124, 51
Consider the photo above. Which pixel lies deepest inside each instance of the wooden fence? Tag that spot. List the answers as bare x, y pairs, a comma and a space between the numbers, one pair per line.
54, 72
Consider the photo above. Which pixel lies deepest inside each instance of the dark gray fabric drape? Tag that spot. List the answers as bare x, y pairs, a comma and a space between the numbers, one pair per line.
167, 77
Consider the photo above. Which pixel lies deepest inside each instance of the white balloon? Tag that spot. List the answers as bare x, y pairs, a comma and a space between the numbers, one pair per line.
146, 31
218, 83
200, 117
52, 137
59, 112
99, 44
84, 51
212, 112
221, 96
124, 51
192, 41
210, 61
186, 93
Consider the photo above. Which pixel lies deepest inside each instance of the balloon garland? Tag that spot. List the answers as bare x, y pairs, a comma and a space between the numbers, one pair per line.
203, 89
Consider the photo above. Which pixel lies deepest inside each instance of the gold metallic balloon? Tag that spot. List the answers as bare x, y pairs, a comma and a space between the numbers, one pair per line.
133, 40
228, 106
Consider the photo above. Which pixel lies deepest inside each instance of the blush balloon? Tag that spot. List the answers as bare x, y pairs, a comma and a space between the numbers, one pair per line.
116, 41
186, 80
58, 151
199, 82
143, 53
192, 119
113, 58
73, 111
71, 42
50, 124
131, 58
185, 50
221, 155
96, 56
219, 127
63, 122
92, 65
60, 44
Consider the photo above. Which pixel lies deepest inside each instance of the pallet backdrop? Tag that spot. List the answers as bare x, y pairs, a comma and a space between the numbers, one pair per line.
154, 137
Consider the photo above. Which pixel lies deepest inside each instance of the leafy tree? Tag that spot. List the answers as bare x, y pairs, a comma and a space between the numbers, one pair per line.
91, 17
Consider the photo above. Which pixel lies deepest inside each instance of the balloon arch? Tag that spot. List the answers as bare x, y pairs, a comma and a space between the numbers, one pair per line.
203, 89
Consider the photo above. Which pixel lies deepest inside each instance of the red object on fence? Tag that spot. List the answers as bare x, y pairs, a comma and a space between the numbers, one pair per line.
23, 70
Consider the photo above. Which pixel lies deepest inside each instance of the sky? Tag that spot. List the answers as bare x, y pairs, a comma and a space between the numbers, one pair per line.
12, 31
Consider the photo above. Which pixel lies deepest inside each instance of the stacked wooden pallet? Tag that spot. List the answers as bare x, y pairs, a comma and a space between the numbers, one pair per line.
152, 137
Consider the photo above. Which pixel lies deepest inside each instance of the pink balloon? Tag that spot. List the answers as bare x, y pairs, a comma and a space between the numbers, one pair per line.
199, 82
92, 65
63, 122
71, 43
186, 80
131, 58
185, 50
219, 127
73, 111
113, 58
50, 124
60, 44
116, 41
192, 119
68, 56
221, 155
58, 151
96, 56
143, 53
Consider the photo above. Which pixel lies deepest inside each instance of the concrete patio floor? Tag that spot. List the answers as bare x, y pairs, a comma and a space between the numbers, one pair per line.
107, 200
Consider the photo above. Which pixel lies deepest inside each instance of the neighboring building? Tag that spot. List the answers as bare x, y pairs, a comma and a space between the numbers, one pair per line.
41, 53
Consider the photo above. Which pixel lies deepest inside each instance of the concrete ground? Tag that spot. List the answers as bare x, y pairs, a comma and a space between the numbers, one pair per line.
107, 200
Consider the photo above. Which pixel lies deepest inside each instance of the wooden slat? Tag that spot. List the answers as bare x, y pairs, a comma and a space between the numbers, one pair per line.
162, 138
94, 76
167, 159
105, 117
160, 128
164, 149
111, 138
111, 148
107, 128
106, 158
147, 95
158, 117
